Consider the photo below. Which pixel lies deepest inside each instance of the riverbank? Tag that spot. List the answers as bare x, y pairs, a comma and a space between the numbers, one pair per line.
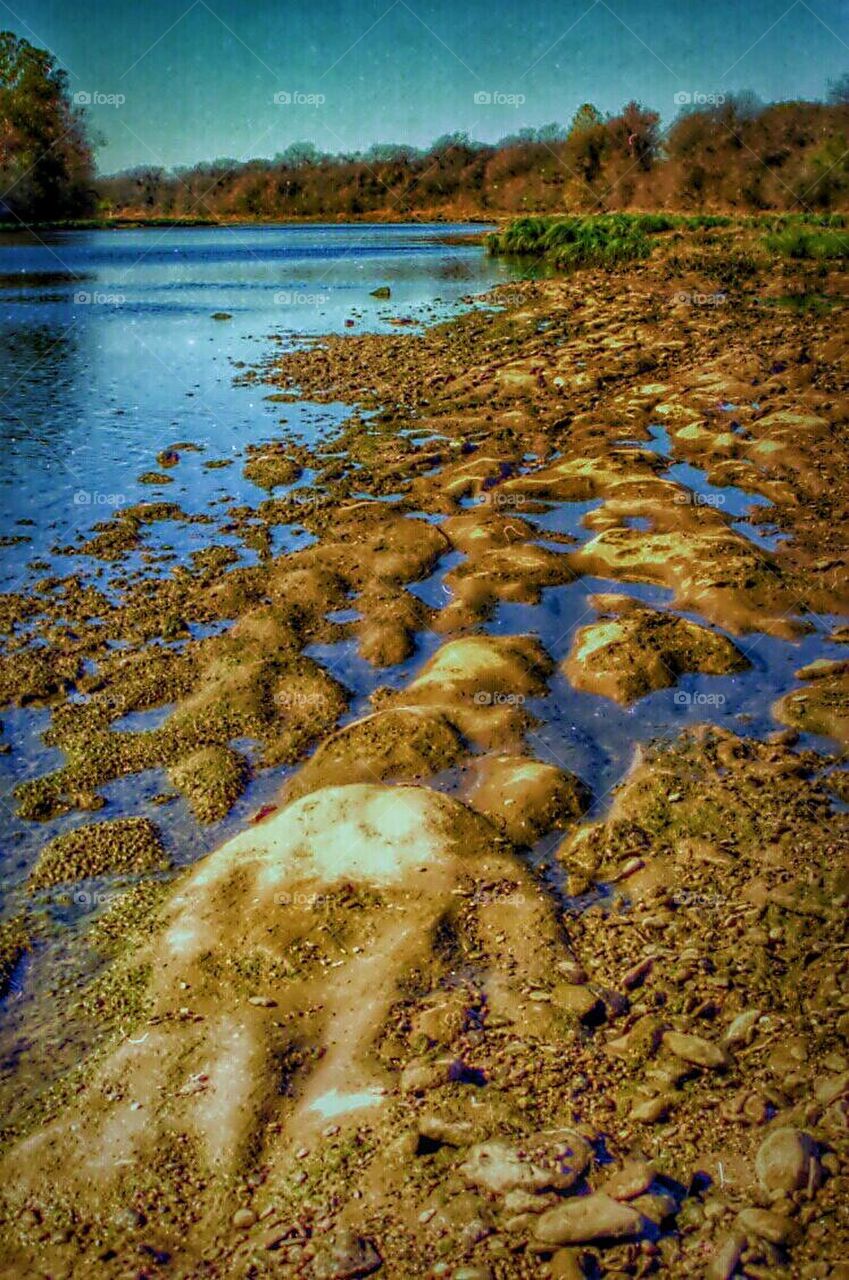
424, 1001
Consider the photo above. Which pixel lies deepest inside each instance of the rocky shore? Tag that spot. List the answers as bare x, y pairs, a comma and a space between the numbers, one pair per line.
445, 1008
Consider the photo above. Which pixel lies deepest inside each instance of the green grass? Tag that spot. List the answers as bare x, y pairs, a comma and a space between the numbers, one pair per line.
803, 244
600, 240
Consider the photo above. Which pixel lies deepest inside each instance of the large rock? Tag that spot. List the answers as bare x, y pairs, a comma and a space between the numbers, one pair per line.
786, 1161
589, 1218
547, 1161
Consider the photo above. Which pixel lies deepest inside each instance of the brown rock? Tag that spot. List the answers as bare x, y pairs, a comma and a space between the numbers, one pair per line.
538, 1163
702, 1053
630, 1181
350, 1256
588, 1218
786, 1161
566, 1265
578, 1000
652, 1109
724, 1262
243, 1219
773, 1227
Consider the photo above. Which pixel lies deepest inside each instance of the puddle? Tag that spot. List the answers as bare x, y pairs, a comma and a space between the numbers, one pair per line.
335, 1103
728, 498
566, 517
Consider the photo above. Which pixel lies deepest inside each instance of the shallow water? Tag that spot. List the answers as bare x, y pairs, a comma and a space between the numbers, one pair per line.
110, 353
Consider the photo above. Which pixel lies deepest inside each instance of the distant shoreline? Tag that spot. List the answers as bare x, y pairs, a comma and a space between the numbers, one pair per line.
130, 224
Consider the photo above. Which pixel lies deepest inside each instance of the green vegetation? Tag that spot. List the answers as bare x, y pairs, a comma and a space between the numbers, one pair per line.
46, 166
574, 241
803, 244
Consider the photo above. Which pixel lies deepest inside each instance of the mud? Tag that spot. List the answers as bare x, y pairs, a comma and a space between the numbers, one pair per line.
423, 1016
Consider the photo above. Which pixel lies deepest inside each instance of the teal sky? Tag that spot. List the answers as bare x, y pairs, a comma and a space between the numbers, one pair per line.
199, 77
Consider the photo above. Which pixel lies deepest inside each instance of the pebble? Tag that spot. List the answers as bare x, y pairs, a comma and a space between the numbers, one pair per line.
765, 1225
702, 1053
630, 1181
652, 1110
742, 1029
725, 1261
243, 1219
566, 1265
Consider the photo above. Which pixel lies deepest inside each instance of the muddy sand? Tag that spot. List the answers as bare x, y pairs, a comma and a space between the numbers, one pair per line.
447, 1006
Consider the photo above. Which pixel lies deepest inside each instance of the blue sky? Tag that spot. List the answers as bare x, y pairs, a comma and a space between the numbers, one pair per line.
199, 77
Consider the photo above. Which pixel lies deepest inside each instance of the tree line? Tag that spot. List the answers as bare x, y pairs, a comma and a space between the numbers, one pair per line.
731, 153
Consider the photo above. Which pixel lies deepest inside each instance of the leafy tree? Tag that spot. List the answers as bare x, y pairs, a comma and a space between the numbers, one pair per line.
46, 167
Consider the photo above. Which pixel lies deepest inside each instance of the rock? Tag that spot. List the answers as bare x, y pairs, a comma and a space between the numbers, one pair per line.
702, 1053
786, 1161
566, 1265
526, 1202
724, 1262
221, 315
657, 1208
630, 1181
541, 1162
773, 1227
418, 1076
452, 1133
652, 1109
243, 1219
589, 1218
828, 1088
577, 1000
639, 649
350, 1256
382, 292
742, 1029
525, 798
